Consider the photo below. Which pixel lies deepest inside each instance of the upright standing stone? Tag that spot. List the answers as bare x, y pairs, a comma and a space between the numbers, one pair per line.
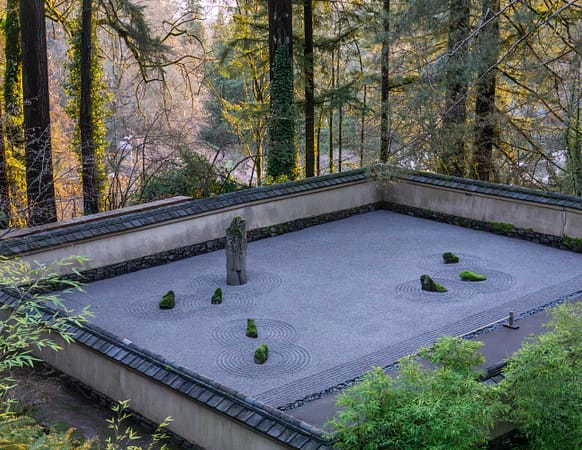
236, 252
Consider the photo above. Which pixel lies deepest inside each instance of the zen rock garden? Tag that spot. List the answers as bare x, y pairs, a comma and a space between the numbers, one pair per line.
429, 285
236, 275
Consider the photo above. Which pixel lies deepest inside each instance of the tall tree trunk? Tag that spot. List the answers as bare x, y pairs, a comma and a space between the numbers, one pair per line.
330, 140
385, 97
4, 184
309, 89
485, 129
88, 160
318, 143
362, 125
13, 80
282, 158
452, 153
38, 154
340, 123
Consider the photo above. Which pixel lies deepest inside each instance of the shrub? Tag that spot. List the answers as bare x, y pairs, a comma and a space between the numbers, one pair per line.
467, 275
542, 383
251, 329
168, 301
501, 227
428, 284
574, 244
261, 354
216, 297
442, 408
450, 258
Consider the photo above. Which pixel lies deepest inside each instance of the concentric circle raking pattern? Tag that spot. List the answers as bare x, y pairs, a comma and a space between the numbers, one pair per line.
258, 283
435, 262
496, 281
456, 290
148, 308
269, 331
283, 360
187, 305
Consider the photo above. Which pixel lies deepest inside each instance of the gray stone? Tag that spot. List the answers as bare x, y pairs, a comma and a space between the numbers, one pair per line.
236, 252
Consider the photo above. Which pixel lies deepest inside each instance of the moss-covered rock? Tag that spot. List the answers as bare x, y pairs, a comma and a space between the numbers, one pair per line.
467, 275
261, 354
428, 284
168, 301
450, 258
217, 297
251, 329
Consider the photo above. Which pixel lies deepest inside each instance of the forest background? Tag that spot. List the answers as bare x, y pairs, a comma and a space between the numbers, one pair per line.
146, 100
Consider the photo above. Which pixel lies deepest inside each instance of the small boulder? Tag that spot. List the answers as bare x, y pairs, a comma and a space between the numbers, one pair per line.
217, 297
261, 354
428, 284
251, 329
467, 275
450, 258
168, 301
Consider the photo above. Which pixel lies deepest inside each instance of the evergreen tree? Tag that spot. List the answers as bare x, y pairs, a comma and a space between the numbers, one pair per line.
452, 157
485, 109
15, 190
309, 89
38, 153
282, 155
87, 97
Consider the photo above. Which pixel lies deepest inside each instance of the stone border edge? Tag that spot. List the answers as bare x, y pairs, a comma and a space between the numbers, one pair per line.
246, 410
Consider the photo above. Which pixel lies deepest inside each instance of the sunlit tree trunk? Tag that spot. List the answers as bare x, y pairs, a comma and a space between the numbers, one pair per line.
4, 184
38, 154
89, 176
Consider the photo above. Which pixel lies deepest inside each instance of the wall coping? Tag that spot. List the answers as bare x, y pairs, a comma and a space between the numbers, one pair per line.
246, 410
133, 220
102, 224
496, 189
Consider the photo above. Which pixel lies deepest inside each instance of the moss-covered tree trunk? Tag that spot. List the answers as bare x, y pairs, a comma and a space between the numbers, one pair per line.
485, 110
38, 154
13, 150
282, 153
452, 140
88, 160
309, 89
4, 189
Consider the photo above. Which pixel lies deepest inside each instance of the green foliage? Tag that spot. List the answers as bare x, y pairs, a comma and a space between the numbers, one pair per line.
574, 244
188, 174
22, 432
282, 155
261, 354
442, 408
542, 383
24, 325
428, 284
252, 329
450, 258
168, 301
216, 297
123, 435
467, 275
500, 227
